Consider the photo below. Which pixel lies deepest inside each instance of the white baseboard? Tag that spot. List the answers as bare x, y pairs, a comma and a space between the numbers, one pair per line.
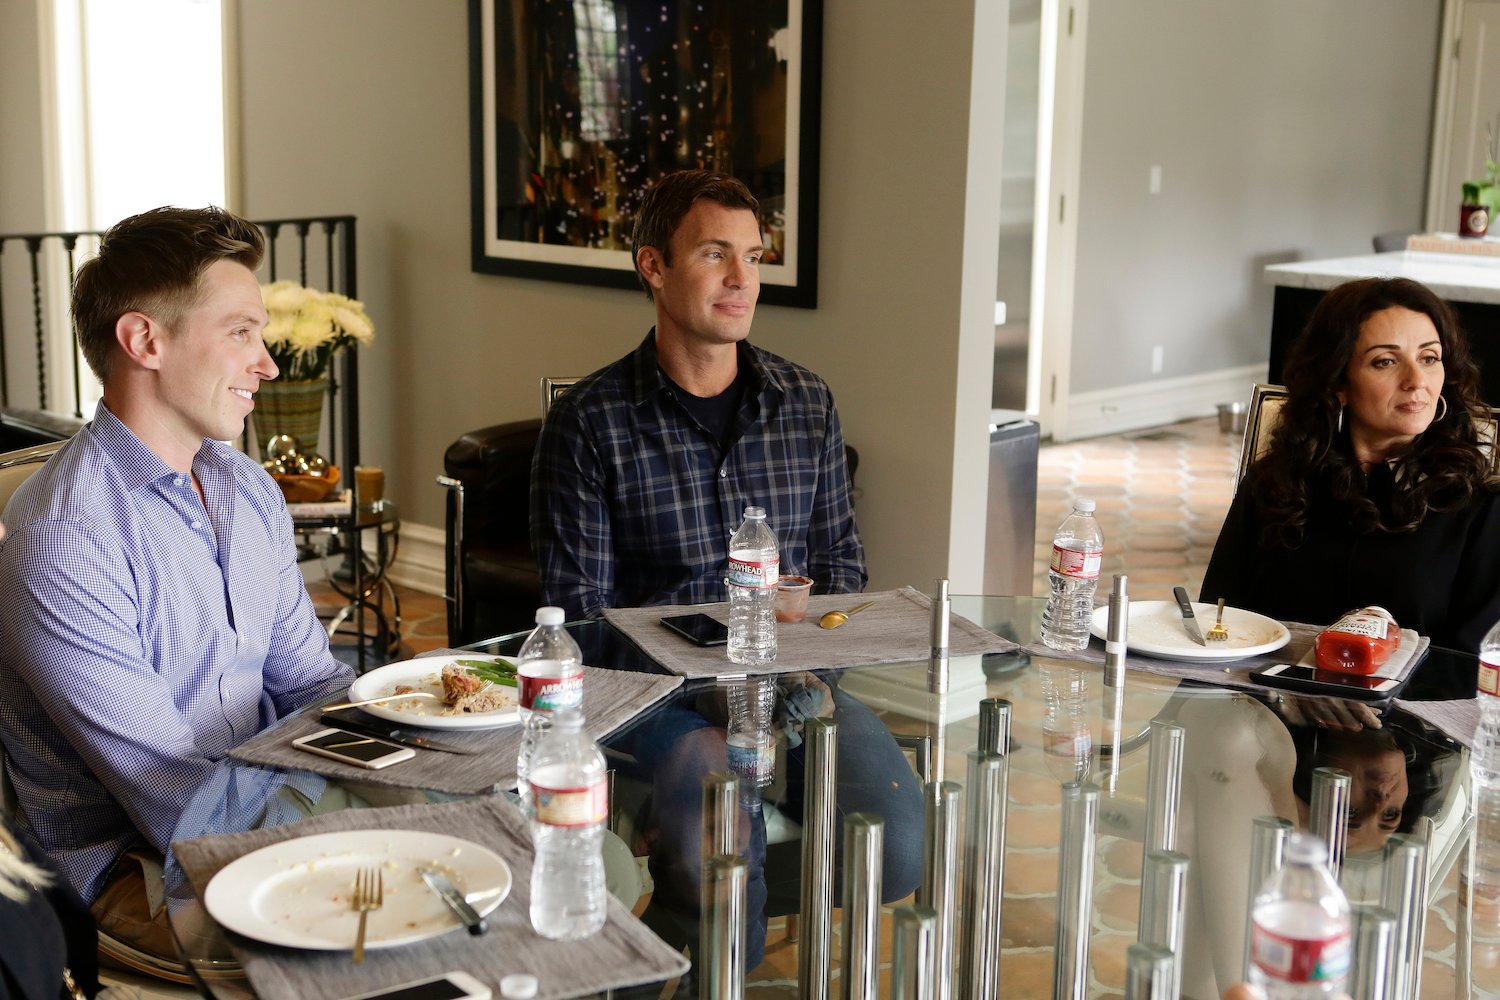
1163, 401
419, 561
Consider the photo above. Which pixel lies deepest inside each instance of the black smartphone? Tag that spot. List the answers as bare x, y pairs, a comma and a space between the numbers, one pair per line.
699, 629
1296, 677
352, 748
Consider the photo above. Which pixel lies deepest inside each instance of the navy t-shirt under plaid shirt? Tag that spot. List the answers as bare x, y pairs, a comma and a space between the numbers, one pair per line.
143, 633
633, 501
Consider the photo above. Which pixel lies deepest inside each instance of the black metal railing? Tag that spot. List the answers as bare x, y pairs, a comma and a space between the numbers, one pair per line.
36, 284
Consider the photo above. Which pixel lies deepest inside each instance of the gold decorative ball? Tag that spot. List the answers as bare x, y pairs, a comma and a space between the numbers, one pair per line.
281, 446
315, 465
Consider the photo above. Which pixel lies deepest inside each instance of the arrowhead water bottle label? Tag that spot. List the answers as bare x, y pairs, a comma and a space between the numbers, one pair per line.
749, 572
1300, 960
549, 685
1071, 562
751, 757
1489, 677
586, 806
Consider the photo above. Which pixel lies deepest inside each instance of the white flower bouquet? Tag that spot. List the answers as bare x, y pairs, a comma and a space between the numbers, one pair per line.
307, 326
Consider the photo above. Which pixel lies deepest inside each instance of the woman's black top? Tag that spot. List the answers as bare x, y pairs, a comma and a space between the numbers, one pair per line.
38, 937
1442, 579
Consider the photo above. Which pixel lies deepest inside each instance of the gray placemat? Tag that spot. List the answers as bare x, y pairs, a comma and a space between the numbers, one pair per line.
896, 629
1235, 674
611, 698
623, 953
1458, 719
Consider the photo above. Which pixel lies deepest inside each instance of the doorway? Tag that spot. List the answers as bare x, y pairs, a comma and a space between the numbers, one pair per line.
1468, 101
1018, 167
1039, 179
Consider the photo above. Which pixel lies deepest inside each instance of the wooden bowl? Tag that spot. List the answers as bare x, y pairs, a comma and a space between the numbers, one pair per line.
309, 489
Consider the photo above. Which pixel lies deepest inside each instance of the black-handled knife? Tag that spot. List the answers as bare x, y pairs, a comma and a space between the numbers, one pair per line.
440, 884
1189, 619
346, 719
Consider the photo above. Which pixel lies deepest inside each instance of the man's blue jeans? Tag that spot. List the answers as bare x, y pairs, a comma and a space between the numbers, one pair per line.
677, 747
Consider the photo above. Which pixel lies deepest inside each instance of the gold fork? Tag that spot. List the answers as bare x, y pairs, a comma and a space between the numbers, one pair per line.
369, 894
1218, 633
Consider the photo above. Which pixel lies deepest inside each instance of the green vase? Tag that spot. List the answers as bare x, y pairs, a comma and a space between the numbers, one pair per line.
292, 408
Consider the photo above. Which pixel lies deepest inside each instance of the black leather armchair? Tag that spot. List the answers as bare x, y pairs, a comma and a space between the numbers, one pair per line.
491, 581
24, 428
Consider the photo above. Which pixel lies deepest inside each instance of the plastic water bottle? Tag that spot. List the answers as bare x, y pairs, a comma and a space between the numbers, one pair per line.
567, 829
1484, 783
754, 568
752, 748
1067, 740
1482, 889
1300, 930
549, 677
1077, 549
1484, 757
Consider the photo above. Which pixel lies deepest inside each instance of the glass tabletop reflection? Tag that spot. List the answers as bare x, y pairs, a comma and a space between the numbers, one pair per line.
1035, 772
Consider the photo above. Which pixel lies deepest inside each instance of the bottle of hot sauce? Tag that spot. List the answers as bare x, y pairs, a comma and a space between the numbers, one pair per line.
1359, 642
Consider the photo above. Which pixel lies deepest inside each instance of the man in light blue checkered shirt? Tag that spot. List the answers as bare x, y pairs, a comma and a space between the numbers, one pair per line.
153, 615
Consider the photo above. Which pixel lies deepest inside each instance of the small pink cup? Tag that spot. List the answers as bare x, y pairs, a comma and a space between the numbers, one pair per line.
791, 598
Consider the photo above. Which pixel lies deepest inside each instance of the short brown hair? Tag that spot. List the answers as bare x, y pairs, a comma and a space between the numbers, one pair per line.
151, 263
670, 198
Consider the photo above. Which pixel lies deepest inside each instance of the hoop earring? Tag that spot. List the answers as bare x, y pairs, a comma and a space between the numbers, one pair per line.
1443, 411
1338, 425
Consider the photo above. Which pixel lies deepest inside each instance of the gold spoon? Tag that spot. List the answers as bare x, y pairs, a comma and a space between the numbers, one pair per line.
836, 618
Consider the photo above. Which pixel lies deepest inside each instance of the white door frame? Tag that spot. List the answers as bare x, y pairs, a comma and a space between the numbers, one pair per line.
1439, 202
1055, 235
1442, 204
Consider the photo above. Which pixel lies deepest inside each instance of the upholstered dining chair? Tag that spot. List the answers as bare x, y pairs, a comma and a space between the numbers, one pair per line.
15, 468
1266, 401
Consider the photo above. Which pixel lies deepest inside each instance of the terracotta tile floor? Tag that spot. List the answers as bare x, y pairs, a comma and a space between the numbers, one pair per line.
1162, 495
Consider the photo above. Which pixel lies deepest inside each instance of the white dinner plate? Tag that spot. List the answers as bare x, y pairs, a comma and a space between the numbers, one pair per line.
1156, 629
424, 674
296, 893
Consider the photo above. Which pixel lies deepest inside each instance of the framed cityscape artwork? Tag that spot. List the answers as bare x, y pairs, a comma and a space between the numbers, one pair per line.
576, 106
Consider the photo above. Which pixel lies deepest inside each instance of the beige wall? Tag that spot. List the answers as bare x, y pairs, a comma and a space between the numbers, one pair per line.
22, 190
361, 106
1285, 130
21, 206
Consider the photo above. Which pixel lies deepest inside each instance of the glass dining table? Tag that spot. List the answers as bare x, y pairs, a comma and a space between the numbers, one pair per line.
1011, 825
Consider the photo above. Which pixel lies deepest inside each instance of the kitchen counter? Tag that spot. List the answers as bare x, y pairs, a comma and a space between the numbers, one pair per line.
1470, 284
1455, 277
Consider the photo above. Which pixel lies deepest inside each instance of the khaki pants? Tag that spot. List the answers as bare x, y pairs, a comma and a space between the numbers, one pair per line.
131, 912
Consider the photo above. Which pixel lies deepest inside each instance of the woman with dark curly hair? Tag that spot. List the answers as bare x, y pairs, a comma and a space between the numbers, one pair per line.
1378, 486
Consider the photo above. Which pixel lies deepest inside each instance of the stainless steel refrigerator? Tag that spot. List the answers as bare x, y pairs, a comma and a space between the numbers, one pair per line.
1010, 525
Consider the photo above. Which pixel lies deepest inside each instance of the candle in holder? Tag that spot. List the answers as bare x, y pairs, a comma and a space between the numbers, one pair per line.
791, 598
369, 486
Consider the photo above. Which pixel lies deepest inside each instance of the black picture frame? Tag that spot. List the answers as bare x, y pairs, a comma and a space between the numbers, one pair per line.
563, 141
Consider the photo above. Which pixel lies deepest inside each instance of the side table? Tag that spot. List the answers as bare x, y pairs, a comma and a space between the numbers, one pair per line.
360, 579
